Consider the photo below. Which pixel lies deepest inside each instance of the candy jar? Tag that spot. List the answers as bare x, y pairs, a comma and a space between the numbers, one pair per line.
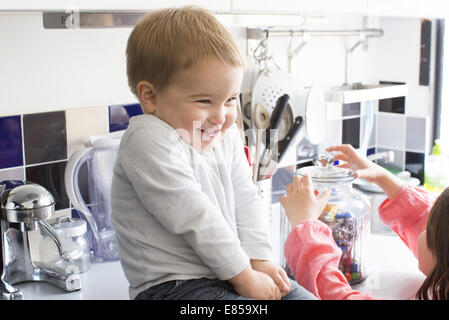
347, 214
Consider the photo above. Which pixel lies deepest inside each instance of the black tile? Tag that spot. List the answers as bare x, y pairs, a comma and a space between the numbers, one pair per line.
351, 132
51, 177
11, 152
45, 137
394, 105
414, 162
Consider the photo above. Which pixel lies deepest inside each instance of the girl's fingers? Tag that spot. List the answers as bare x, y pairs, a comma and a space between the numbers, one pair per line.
282, 200
297, 182
306, 182
325, 195
341, 157
344, 165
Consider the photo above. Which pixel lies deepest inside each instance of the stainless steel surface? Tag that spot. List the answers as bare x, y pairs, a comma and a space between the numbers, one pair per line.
26, 197
21, 213
68, 250
258, 33
26, 203
88, 19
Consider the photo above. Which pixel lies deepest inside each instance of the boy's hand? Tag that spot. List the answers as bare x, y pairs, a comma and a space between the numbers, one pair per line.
276, 273
254, 284
301, 204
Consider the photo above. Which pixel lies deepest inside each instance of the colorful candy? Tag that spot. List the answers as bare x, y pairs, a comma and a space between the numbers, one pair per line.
344, 228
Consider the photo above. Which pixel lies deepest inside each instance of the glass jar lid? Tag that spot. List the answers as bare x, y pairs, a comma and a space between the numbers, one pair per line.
327, 174
68, 227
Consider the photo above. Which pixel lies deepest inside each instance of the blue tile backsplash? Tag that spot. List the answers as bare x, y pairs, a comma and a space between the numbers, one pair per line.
34, 146
11, 152
119, 116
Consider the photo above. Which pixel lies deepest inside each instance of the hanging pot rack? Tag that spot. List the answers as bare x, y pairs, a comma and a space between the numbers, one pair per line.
259, 33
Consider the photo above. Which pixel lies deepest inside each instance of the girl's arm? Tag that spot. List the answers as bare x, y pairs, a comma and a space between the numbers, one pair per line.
407, 214
310, 249
313, 257
407, 208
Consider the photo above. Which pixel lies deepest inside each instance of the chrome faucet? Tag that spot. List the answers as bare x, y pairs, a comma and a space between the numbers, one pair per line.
24, 207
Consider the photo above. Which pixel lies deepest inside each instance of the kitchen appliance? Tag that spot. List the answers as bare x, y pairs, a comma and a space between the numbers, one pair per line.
347, 214
97, 157
24, 208
74, 230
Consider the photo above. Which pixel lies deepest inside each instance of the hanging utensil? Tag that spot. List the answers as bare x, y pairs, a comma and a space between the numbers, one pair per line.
283, 146
261, 117
270, 141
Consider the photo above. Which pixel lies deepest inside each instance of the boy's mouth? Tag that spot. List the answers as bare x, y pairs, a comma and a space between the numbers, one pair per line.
208, 134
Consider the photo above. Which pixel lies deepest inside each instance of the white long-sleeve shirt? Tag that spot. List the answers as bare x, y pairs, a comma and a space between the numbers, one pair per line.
179, 214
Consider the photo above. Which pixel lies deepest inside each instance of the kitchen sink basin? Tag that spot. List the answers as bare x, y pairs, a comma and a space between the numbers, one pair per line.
358, 92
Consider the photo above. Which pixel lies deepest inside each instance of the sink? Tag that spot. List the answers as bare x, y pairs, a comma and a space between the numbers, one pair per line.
358, 92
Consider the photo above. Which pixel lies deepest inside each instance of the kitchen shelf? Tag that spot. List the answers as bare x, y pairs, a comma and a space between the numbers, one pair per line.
357, 92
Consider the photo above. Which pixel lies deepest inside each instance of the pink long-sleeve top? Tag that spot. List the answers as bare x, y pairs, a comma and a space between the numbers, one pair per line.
313, 256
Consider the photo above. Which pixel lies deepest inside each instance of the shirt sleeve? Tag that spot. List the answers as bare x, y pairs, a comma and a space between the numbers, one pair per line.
251, 213
160, 172
313, 256
407, 214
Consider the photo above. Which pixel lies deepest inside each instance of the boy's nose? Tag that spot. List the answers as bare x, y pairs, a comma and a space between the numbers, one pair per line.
219, 115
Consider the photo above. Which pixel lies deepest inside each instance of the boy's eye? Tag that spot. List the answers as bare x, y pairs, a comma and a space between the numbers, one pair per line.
232, 99
206, 101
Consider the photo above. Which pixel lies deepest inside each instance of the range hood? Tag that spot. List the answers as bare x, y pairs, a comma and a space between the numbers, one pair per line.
357, 92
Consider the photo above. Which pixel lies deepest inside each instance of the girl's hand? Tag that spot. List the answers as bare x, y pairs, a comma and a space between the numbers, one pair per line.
368, 170
363, 168
301, 204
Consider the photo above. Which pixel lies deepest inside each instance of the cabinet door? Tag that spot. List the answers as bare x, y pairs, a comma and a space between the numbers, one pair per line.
408, 8
30, 5
303, 6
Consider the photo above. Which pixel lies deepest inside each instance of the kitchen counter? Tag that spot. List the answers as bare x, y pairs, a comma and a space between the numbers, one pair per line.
392, 268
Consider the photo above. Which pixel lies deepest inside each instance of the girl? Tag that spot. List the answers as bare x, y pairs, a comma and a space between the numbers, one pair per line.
313, 256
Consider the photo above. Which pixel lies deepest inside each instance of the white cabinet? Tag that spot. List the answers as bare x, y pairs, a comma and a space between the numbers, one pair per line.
143, 5
302, 6
409, 8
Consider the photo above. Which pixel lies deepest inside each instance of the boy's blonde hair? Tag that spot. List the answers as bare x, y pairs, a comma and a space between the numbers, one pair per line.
173, 39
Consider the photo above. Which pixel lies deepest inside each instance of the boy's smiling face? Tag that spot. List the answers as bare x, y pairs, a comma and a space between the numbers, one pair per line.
199, 102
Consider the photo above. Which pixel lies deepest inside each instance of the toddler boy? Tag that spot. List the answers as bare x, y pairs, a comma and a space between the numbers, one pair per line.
189, 222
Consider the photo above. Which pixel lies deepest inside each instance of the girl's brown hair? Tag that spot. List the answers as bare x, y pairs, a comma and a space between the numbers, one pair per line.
173, 39
436, 285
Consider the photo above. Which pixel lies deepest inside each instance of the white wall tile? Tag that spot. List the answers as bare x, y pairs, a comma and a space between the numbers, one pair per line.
416, 134
390, 131
85, 122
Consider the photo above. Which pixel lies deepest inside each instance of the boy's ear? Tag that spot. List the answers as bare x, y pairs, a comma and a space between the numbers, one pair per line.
147, 96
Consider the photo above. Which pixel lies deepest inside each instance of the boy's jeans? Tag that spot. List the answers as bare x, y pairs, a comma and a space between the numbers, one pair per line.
209, 289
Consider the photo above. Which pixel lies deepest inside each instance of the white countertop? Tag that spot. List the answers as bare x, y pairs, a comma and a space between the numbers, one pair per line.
392, 268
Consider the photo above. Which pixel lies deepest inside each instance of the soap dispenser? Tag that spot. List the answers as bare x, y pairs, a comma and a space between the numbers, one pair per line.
436, 170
